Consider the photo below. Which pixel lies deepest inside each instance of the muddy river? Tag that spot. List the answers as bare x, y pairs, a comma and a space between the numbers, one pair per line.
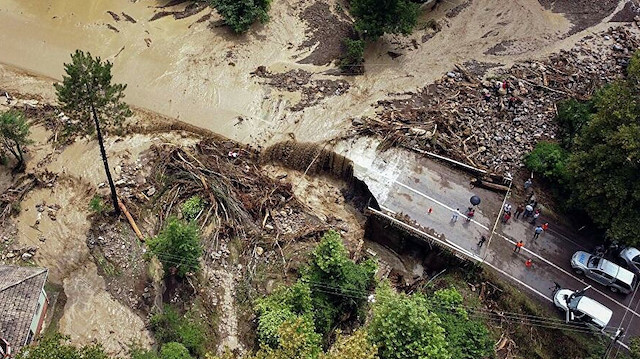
200, 73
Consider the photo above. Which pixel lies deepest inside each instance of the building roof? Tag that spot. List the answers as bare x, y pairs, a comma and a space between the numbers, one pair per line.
20, 289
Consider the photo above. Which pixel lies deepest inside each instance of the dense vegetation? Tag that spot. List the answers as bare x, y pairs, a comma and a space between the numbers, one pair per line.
178, 247
241, 14
596, 163
58, 347
14, 135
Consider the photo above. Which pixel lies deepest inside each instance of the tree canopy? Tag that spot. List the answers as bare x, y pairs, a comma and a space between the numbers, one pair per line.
178, 247
376, 17
58, 347
14, 134
605, 159
403, 326
241, 14
596, 164
87, 83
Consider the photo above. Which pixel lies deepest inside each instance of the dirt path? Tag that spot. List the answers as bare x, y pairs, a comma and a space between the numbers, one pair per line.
201, 74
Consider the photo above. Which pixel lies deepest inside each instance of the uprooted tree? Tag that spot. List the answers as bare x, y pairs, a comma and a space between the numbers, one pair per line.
14, 134
87, 95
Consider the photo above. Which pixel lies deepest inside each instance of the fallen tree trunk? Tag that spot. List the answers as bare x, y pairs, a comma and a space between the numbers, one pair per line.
131, 221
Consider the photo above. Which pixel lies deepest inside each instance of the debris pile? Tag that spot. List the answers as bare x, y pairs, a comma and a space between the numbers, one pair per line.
493, 123
312, 91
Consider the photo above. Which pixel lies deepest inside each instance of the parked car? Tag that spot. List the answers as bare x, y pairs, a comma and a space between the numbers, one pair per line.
582, 309
631, 257
607, 273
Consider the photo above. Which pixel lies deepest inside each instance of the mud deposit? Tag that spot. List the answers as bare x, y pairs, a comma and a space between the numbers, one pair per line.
185, 65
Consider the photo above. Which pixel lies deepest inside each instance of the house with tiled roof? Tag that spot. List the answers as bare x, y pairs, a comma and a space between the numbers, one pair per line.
23, 305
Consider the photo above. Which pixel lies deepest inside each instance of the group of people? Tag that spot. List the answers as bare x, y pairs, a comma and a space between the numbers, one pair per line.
527, 210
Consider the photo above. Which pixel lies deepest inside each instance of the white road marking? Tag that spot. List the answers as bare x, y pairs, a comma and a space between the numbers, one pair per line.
527, 250
467, 253
439, 203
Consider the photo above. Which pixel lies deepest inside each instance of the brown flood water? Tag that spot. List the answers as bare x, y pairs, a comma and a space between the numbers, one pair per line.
181, 68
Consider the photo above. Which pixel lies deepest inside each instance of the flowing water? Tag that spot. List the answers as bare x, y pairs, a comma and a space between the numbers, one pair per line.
200, 73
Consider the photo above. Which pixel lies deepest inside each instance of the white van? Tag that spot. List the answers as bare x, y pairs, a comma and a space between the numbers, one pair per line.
582, 309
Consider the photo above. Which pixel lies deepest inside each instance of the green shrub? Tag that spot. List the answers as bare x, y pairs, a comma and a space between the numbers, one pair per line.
572, 116
376, 17
192, 207
241, 14
139, 353
177, 247
58, 347
169, 326
339, 286
285, 304
96, 204
403, 327
466, 338
549, 160
174, 350
353, 60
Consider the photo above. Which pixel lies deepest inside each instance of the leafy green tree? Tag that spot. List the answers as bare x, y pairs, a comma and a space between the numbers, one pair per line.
635, 348
285, 304
169, 326
353, 60
572, 116
549, 160
14, 134
241, 14
86, 92
354, 346
605, 162
58, 347
376, 17
174, 350
339, 286
178, 247
404, 327
466, 338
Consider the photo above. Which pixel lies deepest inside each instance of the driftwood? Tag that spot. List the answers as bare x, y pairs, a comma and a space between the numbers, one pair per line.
489, 185
131, 221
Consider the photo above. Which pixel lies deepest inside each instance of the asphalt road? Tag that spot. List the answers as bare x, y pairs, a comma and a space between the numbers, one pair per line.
403, 182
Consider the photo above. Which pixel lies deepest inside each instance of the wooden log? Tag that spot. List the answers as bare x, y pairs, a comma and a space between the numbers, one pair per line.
130, 219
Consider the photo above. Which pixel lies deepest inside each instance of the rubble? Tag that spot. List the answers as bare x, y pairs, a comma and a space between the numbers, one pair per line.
313, 91
478, 123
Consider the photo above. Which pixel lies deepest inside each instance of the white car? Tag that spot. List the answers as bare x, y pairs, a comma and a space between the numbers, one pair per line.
632, 258
582, 309
604, 272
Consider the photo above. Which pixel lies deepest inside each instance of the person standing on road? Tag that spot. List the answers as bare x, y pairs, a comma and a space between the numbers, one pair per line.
545, 226
506, 217
470, 213
528, 210
481, 241
454, 216
535, 217
519, 211
518, 246
507, 207
537, 231
527, 183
